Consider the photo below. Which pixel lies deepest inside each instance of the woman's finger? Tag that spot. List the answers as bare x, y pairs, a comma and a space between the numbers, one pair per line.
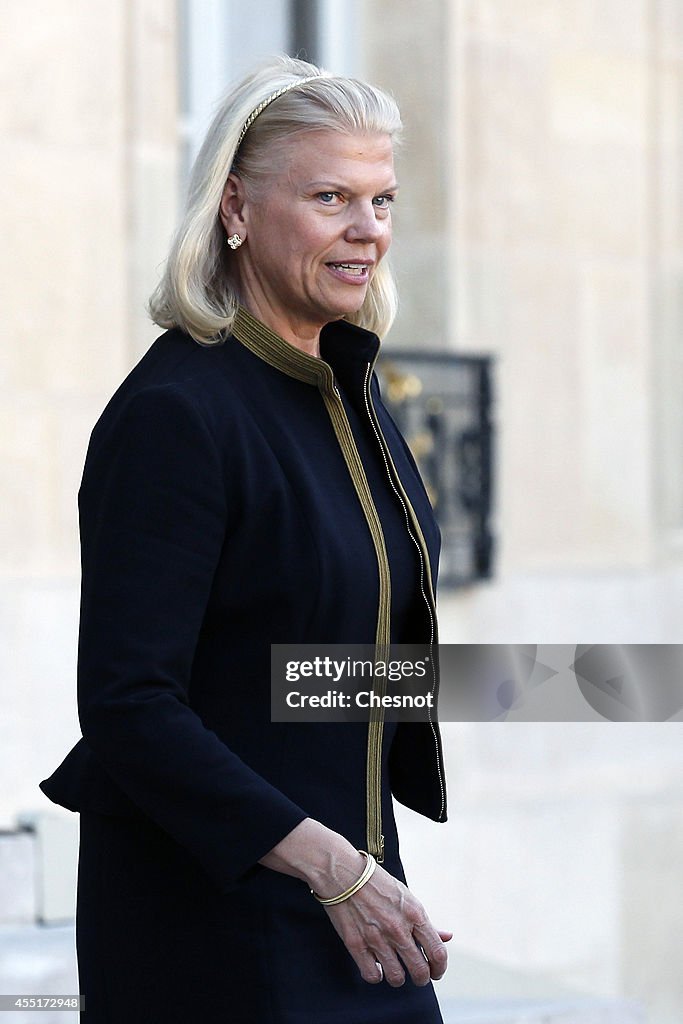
394, 974
434, 950
415, 961
366, 962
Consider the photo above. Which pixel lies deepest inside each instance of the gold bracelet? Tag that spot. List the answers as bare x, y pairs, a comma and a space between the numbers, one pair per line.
370, 865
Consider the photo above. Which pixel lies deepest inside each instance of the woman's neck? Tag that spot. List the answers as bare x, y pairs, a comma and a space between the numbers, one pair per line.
302, 335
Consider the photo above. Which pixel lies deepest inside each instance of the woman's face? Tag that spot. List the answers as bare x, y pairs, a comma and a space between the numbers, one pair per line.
317, 230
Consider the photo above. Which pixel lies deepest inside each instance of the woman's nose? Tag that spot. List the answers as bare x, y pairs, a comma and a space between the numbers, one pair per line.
364, 225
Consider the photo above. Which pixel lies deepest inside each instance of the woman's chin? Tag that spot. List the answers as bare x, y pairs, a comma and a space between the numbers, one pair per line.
349, 305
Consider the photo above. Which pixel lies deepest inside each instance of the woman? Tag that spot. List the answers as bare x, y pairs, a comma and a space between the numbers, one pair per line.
246, 486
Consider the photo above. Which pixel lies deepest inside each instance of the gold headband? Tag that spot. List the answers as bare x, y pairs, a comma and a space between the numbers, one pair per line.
268, 100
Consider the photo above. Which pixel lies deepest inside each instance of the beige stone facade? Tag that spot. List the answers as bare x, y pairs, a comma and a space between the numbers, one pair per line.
89, 113
539, 220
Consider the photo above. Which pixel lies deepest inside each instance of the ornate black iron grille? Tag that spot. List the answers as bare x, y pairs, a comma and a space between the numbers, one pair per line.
442, 402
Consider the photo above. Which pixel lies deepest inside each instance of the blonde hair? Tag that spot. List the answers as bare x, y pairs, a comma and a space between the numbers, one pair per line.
197, 291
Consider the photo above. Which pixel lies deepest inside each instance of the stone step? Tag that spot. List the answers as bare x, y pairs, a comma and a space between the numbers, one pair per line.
39, 960
18, 878
586, 1010
38, 866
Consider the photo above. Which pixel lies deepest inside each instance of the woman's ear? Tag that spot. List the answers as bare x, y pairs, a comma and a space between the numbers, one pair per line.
232, 208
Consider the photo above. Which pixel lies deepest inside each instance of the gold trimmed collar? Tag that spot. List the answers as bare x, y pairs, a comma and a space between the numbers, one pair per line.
346, 345
279, 353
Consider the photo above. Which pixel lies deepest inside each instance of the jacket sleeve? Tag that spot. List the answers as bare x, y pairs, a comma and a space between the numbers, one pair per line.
153, 513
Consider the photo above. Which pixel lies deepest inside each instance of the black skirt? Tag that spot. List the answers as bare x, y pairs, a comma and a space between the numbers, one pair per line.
157, 942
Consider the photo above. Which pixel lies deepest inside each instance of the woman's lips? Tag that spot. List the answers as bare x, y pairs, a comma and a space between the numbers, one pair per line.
350, 272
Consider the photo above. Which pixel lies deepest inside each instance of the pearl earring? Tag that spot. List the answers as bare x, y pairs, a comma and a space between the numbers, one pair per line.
234, 241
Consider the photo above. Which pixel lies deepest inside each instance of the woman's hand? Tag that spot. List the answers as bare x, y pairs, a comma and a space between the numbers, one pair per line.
381, 924
384, 924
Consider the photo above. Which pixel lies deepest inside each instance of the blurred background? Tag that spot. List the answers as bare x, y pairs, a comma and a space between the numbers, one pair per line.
539, 228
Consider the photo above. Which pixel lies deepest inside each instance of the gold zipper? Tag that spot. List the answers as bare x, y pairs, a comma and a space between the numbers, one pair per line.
373, 775
269, 346
425, 569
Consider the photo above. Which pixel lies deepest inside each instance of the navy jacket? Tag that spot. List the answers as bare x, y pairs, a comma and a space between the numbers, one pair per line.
217, 517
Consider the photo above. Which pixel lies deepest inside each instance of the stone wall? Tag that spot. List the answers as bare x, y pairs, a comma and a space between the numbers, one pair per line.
89, 171
540, 222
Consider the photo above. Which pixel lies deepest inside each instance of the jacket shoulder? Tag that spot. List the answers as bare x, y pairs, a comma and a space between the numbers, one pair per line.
175, 377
